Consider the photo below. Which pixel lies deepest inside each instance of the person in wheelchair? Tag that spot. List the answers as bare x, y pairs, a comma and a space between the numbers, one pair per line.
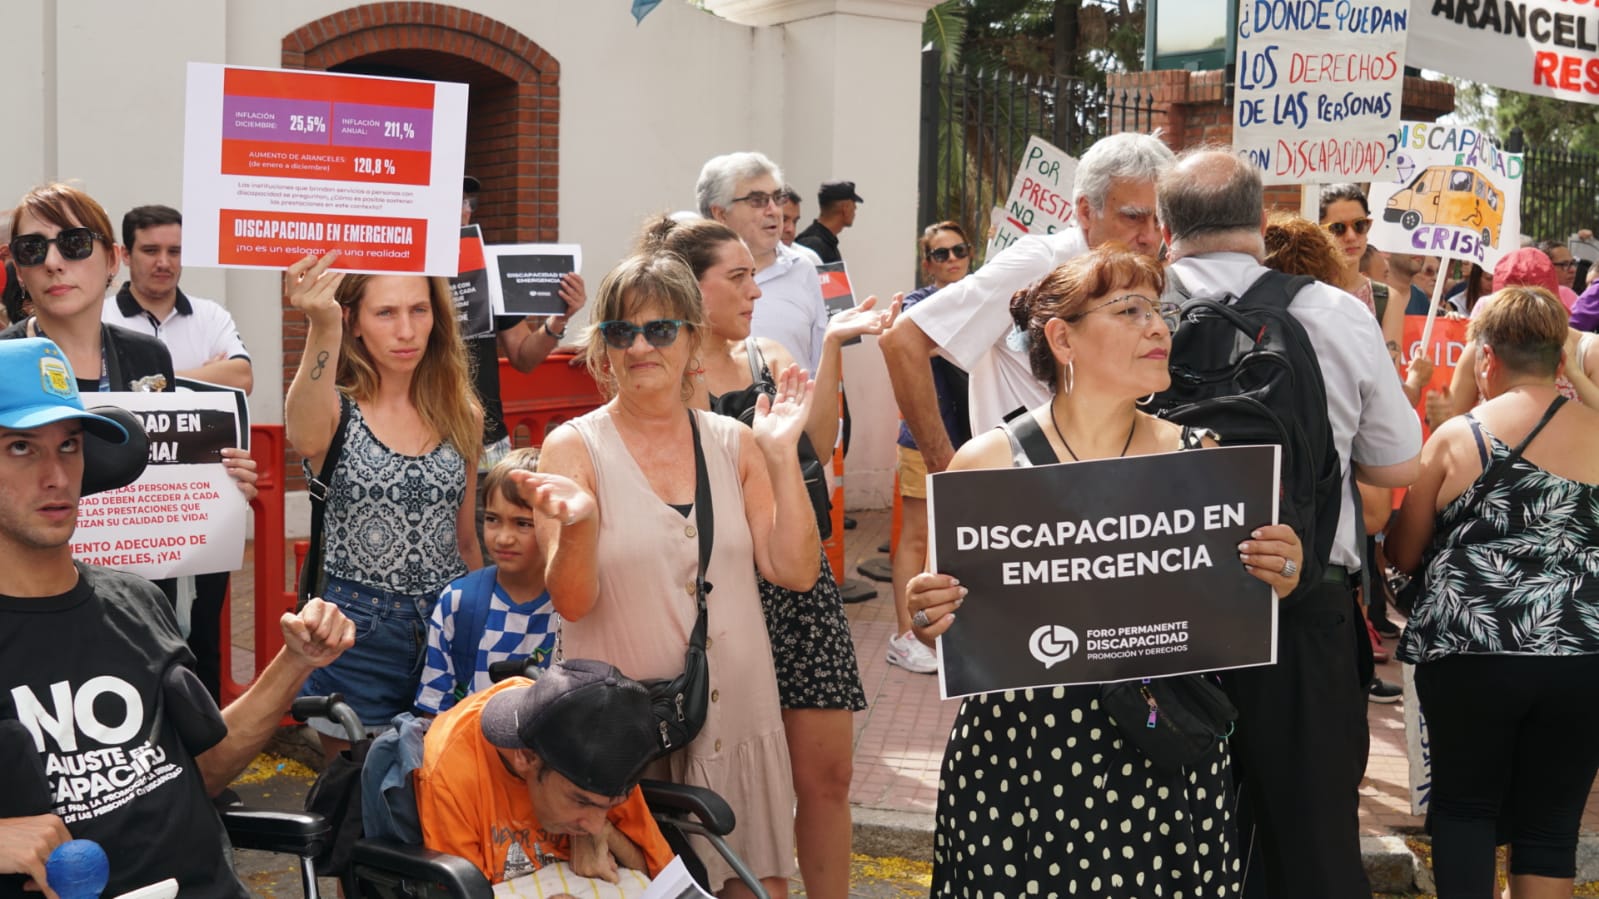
527, 773
106, 733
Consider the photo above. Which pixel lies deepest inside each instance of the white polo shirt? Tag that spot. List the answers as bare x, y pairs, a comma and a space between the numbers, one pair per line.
195, 332
790, 309
970, 319
1371, 422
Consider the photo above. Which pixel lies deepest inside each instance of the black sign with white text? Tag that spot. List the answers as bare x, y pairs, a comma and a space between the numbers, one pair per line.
1101, 571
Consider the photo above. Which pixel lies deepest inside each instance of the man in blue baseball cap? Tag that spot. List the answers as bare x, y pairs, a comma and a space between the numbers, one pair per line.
129, 746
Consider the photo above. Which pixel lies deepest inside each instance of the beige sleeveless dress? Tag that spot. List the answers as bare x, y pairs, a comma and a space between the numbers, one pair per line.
647, 556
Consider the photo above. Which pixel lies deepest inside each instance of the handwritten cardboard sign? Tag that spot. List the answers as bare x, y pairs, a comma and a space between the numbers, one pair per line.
1318, 87
1040, 200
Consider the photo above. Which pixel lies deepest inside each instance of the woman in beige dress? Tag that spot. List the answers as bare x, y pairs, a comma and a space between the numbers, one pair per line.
622, 549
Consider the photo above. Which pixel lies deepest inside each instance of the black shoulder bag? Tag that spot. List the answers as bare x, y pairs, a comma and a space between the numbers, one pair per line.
680, 702
311, 574
1174, 721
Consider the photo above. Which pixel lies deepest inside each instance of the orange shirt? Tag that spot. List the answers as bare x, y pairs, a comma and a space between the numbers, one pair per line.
471, 805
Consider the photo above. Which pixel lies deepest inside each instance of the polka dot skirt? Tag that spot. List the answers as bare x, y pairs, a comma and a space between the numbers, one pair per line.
1039, 796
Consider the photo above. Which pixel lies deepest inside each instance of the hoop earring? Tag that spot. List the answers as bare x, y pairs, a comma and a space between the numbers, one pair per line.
1071, 377
1146, 400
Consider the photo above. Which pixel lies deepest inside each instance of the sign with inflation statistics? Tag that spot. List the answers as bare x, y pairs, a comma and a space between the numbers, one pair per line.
278, 164
1318, 87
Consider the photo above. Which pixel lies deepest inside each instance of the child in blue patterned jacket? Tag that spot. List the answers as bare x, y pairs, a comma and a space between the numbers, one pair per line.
500, 611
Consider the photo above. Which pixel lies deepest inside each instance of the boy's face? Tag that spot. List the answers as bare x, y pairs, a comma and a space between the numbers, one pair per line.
508, 533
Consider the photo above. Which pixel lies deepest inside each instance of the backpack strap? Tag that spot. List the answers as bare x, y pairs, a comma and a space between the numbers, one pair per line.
317, 488
471, 617
1274, 288
1023, 427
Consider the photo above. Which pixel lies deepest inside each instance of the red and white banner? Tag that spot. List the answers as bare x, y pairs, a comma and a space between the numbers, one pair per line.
1546, 47
278, 164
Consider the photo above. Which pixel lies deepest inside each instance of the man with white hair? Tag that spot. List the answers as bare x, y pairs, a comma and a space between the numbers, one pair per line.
745, 192
967, 322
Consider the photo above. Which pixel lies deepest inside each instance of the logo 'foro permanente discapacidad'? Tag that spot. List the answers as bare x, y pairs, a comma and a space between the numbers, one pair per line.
1052, 644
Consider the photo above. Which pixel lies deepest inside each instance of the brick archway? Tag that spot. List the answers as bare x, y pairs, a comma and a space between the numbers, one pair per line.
513, 117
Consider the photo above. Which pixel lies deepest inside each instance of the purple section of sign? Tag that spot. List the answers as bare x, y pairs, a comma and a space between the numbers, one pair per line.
382, 127
267, 118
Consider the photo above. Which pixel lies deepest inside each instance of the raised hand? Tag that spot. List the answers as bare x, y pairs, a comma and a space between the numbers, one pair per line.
862, 320
310, 288
558, 497
318, 633
780, 419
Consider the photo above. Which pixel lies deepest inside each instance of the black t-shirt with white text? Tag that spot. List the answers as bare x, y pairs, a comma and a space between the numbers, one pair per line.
84, 672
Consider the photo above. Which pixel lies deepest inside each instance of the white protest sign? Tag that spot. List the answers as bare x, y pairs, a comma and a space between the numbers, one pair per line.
1545, 47
1452, 194
1318, 87
184, 515
281, 163
1040, 200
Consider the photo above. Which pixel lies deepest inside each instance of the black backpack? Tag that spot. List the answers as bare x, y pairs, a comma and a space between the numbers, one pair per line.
1247, 371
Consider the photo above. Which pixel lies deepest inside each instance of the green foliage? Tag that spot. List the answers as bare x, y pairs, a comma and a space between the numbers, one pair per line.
945, 29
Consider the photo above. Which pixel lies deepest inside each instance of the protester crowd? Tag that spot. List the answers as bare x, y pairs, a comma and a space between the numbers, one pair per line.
442, 552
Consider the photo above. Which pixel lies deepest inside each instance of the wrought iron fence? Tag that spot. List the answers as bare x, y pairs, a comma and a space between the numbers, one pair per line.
975, 125
1559, 190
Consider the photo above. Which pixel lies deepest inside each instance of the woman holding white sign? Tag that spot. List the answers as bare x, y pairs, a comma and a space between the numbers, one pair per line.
1116, 823
1503, 522
383, 388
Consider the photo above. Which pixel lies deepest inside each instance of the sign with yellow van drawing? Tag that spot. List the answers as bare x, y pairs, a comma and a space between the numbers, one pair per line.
1453, 194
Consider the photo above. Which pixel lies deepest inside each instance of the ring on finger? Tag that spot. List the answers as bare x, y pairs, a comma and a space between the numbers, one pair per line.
1290, 568
920, 619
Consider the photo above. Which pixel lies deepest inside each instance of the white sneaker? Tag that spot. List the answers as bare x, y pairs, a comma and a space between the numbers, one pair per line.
911, 654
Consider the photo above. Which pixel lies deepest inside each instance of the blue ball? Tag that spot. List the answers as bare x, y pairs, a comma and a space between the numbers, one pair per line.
78, 869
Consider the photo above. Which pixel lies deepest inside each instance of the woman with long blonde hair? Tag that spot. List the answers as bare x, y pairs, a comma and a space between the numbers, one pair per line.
383, 364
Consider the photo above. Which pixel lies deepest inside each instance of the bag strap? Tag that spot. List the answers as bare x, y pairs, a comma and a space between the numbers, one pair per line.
317, 488
757, 362
1494, 474
704, 523
471, 617
1023, 426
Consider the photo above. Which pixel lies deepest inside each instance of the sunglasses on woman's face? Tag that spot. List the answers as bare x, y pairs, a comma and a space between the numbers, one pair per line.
661, 332
942, 254
1359, 226
74, 244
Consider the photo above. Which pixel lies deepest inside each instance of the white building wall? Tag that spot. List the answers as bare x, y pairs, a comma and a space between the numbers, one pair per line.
97, 97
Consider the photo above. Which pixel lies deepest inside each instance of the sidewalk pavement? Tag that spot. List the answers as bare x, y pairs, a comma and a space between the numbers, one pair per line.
899, 746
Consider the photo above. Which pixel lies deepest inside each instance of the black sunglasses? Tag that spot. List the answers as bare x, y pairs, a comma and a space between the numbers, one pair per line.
74, 243
942, 254
620, 335
1360, 226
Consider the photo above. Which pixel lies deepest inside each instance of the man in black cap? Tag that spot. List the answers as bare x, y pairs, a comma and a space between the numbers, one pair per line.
526, 774
836, 200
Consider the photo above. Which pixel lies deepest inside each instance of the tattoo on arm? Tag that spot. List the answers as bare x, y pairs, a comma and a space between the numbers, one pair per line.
321, 363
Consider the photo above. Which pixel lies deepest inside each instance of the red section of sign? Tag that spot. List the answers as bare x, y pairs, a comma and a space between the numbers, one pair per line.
283, 160
834, 284
364, 242
291, 85
472, 255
